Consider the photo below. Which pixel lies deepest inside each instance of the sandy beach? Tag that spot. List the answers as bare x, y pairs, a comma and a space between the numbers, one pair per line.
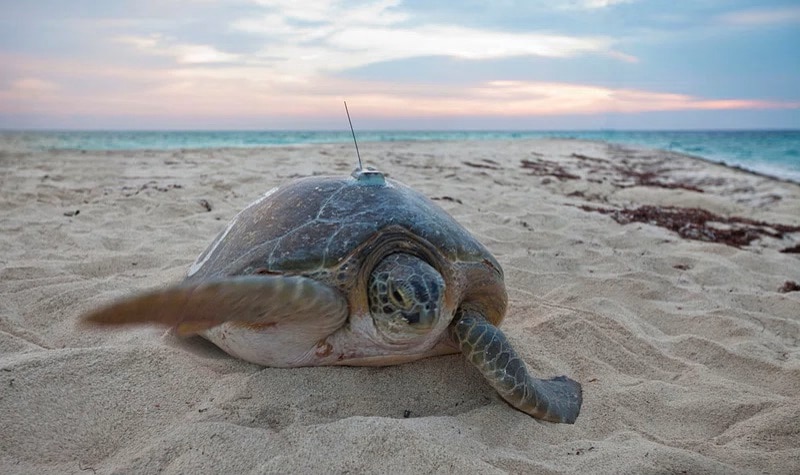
661, 282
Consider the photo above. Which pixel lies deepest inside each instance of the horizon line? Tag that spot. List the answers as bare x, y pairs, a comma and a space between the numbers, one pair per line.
404, 130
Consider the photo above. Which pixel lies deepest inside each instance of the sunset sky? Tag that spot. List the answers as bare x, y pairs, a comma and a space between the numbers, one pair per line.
414, 64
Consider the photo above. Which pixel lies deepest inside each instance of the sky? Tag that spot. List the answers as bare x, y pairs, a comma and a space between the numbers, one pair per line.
400, 64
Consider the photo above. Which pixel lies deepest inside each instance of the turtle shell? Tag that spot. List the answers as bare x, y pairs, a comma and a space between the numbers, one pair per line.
336, 228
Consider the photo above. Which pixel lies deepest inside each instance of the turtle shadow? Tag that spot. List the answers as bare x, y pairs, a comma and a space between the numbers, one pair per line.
195, 345
442, 386
276, 398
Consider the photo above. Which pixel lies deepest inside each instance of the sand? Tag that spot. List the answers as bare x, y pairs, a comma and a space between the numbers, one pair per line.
688, 353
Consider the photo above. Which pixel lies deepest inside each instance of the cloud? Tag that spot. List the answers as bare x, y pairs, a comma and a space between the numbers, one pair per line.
325, 36
762, 16
460, 42
33, 86
27, 90
182, 53
302, 42
328, 35
224, 94
304, 46
531, 98
373, 12
142, 43
591, 4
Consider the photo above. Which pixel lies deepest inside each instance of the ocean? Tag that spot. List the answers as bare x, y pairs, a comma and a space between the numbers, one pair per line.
770, 152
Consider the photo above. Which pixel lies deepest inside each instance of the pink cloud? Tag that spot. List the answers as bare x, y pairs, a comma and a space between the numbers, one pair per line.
64, 87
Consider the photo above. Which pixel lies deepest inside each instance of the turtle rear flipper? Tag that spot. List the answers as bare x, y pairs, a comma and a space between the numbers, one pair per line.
555, 400
252, 301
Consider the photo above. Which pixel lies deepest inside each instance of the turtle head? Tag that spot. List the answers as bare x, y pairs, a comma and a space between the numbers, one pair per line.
406, 296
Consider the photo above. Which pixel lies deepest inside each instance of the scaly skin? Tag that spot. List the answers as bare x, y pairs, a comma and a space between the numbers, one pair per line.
555, 400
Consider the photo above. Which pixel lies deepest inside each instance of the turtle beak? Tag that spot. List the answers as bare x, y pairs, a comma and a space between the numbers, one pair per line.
427, 317
422, 317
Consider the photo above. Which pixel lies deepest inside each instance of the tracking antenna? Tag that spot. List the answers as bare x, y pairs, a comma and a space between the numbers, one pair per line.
352, 130
370, 176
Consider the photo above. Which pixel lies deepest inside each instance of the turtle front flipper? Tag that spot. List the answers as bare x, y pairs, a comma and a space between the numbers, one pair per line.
254, 301
555, 400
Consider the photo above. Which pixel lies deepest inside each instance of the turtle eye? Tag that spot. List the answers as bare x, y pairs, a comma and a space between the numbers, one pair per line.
398, 297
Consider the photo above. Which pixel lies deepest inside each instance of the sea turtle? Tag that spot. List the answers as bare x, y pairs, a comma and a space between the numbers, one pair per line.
360, 271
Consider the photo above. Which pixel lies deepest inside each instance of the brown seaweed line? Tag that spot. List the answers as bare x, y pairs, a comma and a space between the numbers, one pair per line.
481, 165
650, 179
693, 223
792, 250
447, 198
546, 167
646, 178
580, 156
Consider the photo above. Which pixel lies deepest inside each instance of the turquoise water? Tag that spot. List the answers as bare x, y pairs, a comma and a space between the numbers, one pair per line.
776, 153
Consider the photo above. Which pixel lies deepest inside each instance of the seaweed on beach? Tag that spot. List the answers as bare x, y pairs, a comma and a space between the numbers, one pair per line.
649, 178
581, 156
789, 286
649, 172
792, 250
625, 174
699, 224
541, 167
488, 164
447, 198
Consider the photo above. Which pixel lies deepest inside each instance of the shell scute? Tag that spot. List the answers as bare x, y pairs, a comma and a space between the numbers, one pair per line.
317, 222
